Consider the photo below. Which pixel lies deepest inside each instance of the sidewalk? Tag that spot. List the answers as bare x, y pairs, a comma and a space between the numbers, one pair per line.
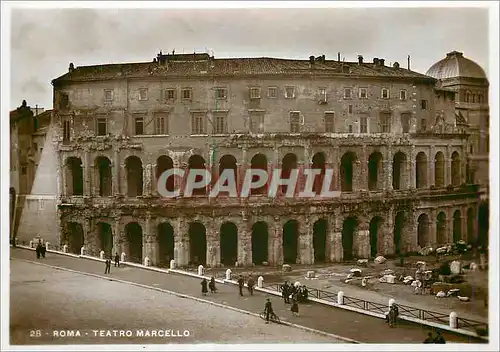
341, 322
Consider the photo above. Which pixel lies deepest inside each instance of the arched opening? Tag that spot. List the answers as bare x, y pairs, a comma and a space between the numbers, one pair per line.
470, 226
105, 238
399, 222
166, 243
73, 237
423, 231
319, 240
228, 162
228, 244
441, 235
319, 163
399, 171
197, 244
376, 237
456, 169
375, 178
164, 163
290, 239
75, 176
457, 226
260, 237
421, 172
347, 171
288, 164
483, 225
258, 162
133, 166
133, 234
348, 230
104, 176
439, 170
196, 162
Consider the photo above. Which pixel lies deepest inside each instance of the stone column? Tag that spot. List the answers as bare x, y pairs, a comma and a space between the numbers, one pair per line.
335, 163
277, 243
361, 182
412, 166
146, 185
432, 228
242, 165
449, 228
89, 237
181, 244
117, 238
244, 244
276, 163
463, 224
116, 174
431, 165
148, 242
87, 174
213, 246
447, 166
388, 248
154, 181
305, 245
361, 241
409, 234
387, 167
123, 185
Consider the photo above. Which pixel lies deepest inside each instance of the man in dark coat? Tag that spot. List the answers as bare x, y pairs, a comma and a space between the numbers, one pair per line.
117, 260
108, 266
241, 283
285, 292
439, 338
43, 250
250, 284
268, 309
204, 289
430, 338
38, 251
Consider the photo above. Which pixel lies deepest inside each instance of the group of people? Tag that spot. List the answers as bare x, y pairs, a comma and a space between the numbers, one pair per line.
434, 339
296, 293
205, 285
40, 250
107, 270
392, 315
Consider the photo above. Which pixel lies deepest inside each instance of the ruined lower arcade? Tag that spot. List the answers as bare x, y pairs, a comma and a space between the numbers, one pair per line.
397, 195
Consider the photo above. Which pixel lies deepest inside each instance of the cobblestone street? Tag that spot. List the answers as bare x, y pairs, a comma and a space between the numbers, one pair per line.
49, 300
336, 321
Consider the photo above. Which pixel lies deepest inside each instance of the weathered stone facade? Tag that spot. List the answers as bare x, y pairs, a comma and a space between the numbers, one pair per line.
401, 187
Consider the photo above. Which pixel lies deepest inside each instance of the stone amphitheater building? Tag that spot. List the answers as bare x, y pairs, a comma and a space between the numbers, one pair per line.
409, 153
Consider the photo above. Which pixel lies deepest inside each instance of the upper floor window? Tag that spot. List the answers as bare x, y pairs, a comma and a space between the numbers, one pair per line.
347, 93
350, 128
423, 125
349, 109
108, 94
198, 123
254, 93
170, 94
66, 130
139, 126
423, 104
187, 94
402, 95
405, 122
363, 124
220, 93
467, 97
161, 124
362, 93
479, 99
272, 92
295, 122
290, 92
256, 122
384, 93
329, 122
322, 95
385, 122
473, 98
63, 101
220, 123
143, 94
102, 128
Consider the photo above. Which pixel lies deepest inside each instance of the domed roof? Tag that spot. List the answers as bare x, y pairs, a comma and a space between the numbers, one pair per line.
456, 65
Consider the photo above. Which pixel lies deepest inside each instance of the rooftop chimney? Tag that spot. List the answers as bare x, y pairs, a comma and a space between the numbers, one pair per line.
311, 60
408, 62
323, 57
360, 59
381, 62
71, 67
396, 65
375, 60
338, 57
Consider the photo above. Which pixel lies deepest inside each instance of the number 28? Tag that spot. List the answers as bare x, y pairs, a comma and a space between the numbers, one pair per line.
35, 333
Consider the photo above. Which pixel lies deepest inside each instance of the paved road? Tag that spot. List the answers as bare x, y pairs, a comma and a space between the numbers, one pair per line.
333, 320
56, 301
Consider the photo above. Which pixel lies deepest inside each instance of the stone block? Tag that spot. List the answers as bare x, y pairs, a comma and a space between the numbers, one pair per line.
260, 282
456, 267
123, 257
172, 264
201, 270
82, 250
310, 274
101, 254
362, 262
380, 260
228, 274
65, 248
286, 268
147, 261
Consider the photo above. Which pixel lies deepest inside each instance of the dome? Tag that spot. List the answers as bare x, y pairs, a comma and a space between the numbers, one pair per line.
456, 65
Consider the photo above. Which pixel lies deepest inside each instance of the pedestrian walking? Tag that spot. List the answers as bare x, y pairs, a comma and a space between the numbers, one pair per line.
241, 283
393, 315
43, 250
211, 285
439, 338
268, 309
108, 266
285, 292
117, 260
204, 289
430, 338
38, 251
295, 306
250, 284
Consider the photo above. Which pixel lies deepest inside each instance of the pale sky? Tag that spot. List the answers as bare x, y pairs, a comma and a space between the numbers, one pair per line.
45, 41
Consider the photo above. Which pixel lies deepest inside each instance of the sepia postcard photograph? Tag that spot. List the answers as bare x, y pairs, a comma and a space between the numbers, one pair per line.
259, 175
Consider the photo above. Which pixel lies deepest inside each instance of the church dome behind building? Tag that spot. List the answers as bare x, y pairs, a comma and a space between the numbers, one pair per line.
456, 65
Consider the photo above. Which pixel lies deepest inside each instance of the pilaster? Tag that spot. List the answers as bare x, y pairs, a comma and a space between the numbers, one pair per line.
181, 243
431, 178
115, 173
277, 246
305, 245
244, 244
412, 166
146, 185
388, 245
387, 166
213, 246
87, 174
